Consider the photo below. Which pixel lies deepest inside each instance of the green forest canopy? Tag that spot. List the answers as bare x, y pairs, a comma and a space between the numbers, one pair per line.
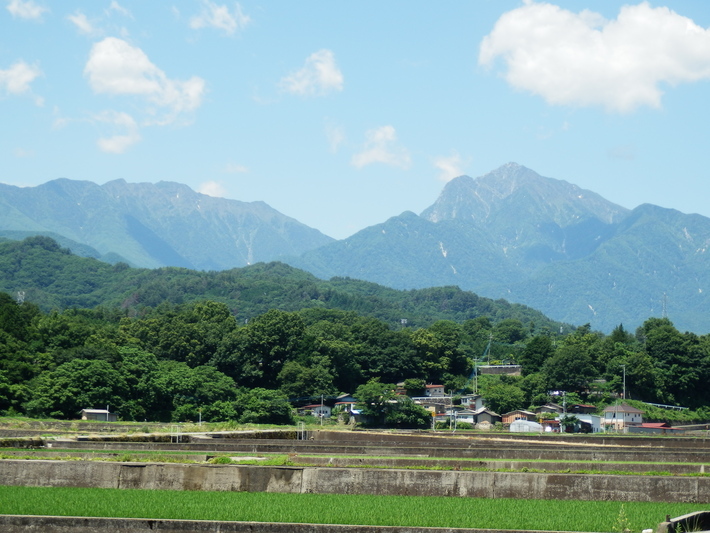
180, 355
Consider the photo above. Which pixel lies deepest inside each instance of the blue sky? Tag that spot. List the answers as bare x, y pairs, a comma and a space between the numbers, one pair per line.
343, 114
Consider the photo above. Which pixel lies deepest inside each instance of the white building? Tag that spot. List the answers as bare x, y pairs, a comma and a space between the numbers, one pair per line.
472, 401
317, 410
621, 416
434, 390
593, 420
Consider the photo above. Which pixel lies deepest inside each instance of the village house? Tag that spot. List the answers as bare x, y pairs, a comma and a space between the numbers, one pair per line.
434, 390
483, 416
656, 428
472, 401
518, 414
620, 417
593, 423
582, 408
316, 409
549, 407
486, 416
549, 425
345, 402
460, 415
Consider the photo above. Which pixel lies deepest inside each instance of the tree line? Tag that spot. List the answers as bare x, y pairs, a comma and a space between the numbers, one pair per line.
177, 362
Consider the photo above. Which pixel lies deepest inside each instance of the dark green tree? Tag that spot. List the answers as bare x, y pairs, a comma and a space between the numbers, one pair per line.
375, 400
264, 406
503, 398
536, 352
77, 385
570, 369
406, 414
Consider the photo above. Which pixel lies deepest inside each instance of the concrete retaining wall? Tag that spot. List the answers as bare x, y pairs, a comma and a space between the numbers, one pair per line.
355, 481
476, 450
68, 524
640, 468
513, 438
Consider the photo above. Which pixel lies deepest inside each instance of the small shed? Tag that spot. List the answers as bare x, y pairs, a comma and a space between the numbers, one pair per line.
486, 415
101, 415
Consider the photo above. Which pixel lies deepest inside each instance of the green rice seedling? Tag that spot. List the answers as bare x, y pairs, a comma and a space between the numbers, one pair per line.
543, 515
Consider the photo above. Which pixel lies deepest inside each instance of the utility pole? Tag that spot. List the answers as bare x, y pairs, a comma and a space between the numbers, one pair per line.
624, 389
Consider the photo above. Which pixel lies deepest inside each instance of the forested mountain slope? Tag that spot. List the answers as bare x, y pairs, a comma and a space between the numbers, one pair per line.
52, 277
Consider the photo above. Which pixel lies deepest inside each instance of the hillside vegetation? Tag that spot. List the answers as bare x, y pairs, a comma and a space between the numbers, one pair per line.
187, 356
51, 277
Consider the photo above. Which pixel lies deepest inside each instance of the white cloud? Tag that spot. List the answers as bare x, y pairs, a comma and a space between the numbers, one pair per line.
16, 80
21, 152
118, 8
220, 17
450, 167
118, 142
335, 135
232, 168
624, 152
213, 188
82, 23
319, 76
115, 67
381, 146
26, 9
582, 59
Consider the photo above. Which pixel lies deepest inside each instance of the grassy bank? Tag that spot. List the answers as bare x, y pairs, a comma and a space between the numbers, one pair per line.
341, 509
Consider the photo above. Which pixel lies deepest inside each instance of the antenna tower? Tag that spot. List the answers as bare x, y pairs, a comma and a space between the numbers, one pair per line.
664, 306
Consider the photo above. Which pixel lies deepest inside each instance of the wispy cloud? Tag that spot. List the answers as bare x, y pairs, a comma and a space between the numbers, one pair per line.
17, 80
319, 76
118, 8
625, 152
213, 188
26, 9
335, 135
582, 59
381, 146
449, 166
83, 24
21, 152
233, 168
220, 17
127, 127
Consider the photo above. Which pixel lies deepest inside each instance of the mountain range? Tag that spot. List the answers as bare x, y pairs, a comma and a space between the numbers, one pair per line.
509, 234
154, 225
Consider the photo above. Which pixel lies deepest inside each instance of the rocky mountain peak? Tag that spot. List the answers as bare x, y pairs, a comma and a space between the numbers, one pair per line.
513, 190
